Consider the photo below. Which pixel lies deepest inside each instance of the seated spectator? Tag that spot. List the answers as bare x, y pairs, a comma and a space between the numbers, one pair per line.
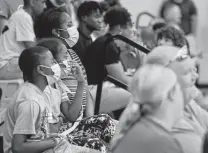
193, 124
90, 132
101, 60
159, 98
173, 37
50, 29
90, 19
19, 36
27, 111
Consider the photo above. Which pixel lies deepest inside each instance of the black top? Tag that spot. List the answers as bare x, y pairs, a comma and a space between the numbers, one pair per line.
97, 56
188, 9
83, 42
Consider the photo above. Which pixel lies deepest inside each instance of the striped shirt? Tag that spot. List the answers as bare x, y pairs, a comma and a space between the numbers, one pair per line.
71, 82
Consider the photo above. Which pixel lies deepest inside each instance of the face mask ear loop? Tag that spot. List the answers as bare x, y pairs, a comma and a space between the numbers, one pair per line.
44, 67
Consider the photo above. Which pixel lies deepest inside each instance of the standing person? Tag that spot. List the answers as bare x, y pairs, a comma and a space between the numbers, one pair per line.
151, 133
172, 16
101, 60
19, 36
188, 12
89, 15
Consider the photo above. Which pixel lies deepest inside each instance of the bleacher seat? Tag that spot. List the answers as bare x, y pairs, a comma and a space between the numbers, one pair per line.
8, 87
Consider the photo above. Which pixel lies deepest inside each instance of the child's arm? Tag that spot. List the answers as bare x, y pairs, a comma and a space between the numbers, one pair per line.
72, 111
90, 107
20, 144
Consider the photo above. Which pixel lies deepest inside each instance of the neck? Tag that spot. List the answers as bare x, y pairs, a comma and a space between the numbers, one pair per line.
41, 83
85, 30
165, 118
113, 31
28, 9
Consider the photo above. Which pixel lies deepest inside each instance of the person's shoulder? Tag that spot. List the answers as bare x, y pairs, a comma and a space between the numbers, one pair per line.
29, 92
149, 137
21, 15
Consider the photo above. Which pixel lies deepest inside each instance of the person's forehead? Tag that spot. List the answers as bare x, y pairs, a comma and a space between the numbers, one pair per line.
96, 12
62, 49
46, 58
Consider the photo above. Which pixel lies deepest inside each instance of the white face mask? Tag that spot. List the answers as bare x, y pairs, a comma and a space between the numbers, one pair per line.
73, 36
56, 74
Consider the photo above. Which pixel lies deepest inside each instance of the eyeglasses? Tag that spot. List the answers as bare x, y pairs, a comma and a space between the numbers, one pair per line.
181, 55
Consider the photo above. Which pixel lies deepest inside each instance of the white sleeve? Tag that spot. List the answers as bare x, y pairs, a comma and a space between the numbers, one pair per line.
25, 29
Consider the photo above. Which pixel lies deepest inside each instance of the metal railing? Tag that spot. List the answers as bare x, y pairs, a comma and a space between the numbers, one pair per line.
110, 78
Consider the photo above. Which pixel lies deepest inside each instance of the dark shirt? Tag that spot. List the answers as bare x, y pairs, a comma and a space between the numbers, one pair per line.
97, 56
188, 9
83, 42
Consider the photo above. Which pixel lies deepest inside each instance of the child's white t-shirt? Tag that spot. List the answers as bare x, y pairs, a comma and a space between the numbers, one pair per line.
20, 28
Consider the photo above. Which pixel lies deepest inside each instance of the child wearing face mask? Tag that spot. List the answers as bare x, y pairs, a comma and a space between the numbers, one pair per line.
93, 132
27, 119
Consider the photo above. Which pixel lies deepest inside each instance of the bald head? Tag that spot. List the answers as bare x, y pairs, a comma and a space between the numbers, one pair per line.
162, 55
184, 69
151, 83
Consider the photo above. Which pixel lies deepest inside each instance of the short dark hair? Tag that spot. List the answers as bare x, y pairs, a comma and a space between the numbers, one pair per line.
29, 59
117, 16
158, 25
177, 36
47, 21
26, 2
113, 3
52, 44
87, 8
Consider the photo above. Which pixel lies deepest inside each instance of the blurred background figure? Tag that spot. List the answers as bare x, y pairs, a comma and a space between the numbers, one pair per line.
7, 7
188, 14
172, 15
